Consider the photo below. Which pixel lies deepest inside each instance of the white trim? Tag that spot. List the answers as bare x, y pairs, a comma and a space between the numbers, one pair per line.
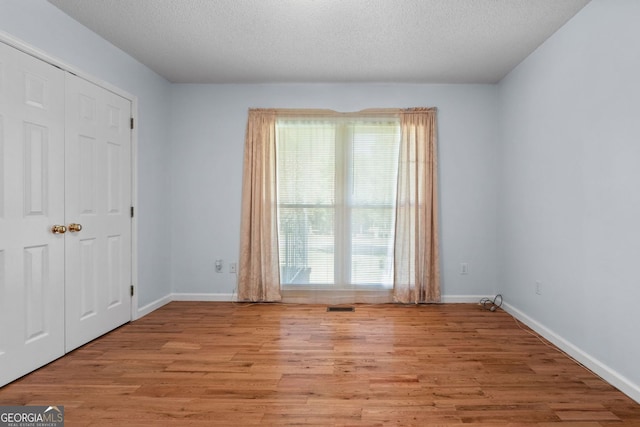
605, 372
24, 47
152, 306
446, 299
43, 56
203, 297
134, 202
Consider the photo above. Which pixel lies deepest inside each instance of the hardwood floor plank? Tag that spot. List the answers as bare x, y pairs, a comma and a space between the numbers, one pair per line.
207, 363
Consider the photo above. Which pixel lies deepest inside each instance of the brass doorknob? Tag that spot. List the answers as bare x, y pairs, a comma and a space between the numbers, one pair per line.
58, 229
75, 227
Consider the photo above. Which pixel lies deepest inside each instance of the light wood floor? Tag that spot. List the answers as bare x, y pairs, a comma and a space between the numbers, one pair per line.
229, 364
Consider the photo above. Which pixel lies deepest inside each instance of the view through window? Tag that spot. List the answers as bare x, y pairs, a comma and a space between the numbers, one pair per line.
336, 191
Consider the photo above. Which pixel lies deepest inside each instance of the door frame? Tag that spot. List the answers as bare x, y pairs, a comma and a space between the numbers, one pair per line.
20, 45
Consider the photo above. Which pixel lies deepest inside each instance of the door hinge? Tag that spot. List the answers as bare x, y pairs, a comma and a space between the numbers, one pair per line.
131, 290
131, 122
131, 211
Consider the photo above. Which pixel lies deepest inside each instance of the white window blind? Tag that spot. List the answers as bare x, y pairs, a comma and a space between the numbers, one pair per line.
336, 201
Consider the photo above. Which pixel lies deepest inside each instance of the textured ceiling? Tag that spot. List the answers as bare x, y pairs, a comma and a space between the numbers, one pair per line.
255, 41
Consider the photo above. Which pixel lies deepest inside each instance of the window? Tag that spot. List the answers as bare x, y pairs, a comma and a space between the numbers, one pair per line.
336, 192
318, 205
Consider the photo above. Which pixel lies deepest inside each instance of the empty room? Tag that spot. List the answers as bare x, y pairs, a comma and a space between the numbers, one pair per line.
320, 212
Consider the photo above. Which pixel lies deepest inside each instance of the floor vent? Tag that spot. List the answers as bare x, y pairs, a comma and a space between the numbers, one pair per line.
341, 309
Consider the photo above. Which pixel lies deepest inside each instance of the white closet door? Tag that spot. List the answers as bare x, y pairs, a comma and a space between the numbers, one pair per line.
98, 198
31, 202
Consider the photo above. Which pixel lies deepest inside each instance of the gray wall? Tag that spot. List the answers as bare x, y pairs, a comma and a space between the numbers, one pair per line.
46, 28
208, 128
569, 203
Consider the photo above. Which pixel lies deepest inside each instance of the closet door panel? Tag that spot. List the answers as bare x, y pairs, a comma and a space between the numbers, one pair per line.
98, 197
31, 203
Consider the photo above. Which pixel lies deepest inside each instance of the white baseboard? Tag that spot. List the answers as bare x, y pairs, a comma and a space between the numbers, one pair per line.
605, 372
143, 311
203, 297
447, 299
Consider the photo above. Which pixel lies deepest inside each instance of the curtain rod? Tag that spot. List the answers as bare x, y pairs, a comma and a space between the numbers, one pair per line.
301, 112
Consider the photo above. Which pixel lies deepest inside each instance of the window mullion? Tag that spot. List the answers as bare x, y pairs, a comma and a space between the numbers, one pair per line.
338, 252
347, 152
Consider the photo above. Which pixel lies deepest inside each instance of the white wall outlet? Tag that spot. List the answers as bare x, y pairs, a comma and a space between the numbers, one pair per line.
538, 287
464, 268
232, 267
218, 266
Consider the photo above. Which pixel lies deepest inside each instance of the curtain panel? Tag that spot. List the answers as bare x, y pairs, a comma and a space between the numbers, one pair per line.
259, 267
416, 253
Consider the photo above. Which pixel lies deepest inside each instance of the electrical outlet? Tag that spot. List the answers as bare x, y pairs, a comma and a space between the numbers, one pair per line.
218, 266
232, 267
464, 268
538, 287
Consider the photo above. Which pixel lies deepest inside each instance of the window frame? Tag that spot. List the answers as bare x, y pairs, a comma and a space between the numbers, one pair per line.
343, 205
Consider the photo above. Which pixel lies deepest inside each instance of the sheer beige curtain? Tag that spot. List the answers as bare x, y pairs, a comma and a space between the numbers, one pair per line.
416, 255
259, 269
